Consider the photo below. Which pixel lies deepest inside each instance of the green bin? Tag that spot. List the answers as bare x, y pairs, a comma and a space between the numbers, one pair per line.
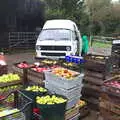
53, 111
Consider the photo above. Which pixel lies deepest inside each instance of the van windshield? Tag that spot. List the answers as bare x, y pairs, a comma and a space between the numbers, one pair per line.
55, 34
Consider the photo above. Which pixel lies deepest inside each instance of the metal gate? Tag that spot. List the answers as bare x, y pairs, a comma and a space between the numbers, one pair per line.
22, 40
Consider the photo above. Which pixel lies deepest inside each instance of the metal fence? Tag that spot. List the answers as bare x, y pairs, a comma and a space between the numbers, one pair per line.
22, 40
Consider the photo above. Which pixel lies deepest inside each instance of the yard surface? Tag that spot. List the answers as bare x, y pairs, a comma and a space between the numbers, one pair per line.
29, 57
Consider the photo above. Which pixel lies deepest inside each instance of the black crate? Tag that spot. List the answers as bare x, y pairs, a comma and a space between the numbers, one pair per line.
21, 102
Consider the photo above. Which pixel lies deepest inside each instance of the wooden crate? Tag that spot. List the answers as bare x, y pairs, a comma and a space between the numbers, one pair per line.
94, 63
107, 115
36, 77
20, 71
110, 89
110, 103
84, 111
10, 83
3, 69
100, 76
72, 112
92, 102
87, 91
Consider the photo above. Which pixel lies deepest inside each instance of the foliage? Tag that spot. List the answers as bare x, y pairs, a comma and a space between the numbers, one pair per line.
68, 9
104, 16
92, 16
98, 44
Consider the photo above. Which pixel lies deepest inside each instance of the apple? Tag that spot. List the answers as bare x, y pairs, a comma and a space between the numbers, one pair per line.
39, 69
36, 89
9, 78
23, 65
50, 100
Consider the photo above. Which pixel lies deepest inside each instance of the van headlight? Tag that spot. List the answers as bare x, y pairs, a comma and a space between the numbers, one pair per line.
38, 47
68, 48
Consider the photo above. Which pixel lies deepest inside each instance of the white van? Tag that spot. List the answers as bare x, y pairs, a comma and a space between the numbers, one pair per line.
58, 39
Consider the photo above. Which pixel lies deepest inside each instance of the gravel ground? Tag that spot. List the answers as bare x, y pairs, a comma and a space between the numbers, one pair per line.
29, 56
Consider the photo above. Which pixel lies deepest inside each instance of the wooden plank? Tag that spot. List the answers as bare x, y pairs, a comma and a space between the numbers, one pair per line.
92, 80
94, 74
90, 92
93, 87
10, 83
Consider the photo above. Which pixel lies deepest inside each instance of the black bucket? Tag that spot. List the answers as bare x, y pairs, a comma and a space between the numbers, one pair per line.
53, 112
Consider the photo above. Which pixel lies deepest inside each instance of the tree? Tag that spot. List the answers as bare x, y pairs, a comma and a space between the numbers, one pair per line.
103, 15
67, 9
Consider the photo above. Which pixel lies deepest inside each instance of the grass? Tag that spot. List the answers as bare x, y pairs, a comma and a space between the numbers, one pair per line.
101, 44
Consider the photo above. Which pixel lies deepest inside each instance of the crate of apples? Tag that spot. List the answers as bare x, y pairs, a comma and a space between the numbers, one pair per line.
112, 86
39, 69
63, 72
23, 65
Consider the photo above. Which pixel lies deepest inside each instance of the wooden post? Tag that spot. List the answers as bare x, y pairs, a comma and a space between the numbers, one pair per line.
25, 79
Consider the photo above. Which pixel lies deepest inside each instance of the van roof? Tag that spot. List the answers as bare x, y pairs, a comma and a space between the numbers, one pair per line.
59, 23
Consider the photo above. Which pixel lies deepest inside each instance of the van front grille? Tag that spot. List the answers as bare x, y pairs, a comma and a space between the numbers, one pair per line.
53, 54
52, 48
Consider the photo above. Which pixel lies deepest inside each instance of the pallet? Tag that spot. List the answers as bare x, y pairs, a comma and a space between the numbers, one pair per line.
110, 103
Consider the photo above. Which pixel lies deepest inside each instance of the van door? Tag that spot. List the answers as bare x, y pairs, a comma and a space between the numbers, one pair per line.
74, 42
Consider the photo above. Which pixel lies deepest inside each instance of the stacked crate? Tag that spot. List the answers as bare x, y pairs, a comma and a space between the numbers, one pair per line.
115, 55
110, 99
97, 69
71, 89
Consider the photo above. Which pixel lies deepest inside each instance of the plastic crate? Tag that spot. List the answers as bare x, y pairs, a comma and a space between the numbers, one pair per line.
75, 59
17, 100
63, 82
69, 93
71, 103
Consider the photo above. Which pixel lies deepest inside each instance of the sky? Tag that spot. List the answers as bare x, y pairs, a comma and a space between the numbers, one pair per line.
115, 0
